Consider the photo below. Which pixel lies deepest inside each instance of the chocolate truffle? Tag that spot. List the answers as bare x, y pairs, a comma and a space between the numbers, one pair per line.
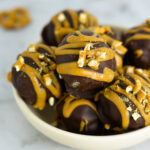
85, 61
125, 105
116, 45
66, 22
34, 76
78, 115
137, 40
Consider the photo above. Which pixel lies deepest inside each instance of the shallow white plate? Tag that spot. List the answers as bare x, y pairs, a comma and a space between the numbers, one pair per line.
43, 120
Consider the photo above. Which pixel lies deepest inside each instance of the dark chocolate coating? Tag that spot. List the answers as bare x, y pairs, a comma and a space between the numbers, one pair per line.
88, 94
49, 35
79, 114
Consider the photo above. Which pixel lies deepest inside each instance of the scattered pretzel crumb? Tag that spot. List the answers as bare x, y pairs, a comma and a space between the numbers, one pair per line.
83, 18
47, 79
61, 17
129, 89
51, 101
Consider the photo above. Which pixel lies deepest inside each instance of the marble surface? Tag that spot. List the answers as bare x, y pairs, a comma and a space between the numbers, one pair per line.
15, 131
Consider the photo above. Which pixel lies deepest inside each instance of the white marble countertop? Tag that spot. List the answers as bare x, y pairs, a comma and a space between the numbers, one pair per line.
15, 131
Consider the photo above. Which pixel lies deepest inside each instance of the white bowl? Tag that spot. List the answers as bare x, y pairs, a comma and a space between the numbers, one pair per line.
43, 120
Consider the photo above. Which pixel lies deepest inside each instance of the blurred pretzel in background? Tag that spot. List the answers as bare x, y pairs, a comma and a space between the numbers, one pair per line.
15, 19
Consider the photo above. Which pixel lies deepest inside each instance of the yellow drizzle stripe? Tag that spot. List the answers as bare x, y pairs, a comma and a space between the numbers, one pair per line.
137, 37
107, 76
70, 106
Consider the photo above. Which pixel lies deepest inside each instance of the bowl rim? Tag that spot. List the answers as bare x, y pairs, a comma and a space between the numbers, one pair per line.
138, 132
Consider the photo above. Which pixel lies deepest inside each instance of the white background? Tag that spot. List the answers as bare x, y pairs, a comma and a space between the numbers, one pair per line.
15, 131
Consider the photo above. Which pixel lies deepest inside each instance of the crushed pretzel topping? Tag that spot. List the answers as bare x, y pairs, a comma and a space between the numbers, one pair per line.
139, 71
147, 108
82, 59
47, 79
19, 63
129, 108
94, 64
129, 69
88, 47
137, 87
41, 56
116, 44
60, 77
43, 63
136, 115
144, 102
75, 84
61, 17
51, 101
129, 89
83, 18
101, 55
141, 95
32, 48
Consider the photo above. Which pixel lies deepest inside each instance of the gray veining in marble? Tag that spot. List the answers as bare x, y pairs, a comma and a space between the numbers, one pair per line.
15, 131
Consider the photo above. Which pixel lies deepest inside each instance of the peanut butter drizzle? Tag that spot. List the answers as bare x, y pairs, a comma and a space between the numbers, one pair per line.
83, 126
34, 75
139, 36
107, 76
84, 38
71, 105
63, 26
109, 52
140, 110
9, 76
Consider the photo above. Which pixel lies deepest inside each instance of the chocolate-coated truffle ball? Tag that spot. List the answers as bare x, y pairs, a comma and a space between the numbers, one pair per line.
125, 105
66, 22
137, 40
34, 75
85, 61
78, 115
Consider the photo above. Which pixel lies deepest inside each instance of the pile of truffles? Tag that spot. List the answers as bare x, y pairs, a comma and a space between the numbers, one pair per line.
99, 84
